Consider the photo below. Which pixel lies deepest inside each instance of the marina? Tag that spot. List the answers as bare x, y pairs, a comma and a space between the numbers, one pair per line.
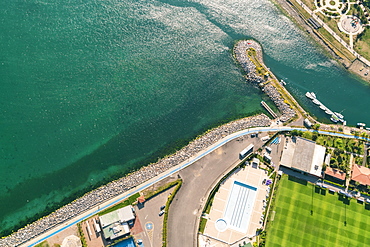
335, 117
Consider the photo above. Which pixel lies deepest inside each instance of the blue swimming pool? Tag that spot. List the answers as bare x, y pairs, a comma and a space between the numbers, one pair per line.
126, 243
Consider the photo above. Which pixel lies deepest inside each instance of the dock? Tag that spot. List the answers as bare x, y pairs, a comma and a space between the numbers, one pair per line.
273, 114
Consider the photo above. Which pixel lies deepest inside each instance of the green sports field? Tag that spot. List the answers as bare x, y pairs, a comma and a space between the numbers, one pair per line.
334, 220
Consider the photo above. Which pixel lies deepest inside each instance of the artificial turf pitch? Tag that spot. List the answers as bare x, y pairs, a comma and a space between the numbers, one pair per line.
334, 220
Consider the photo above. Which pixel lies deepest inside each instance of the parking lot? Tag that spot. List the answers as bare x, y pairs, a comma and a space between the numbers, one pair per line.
151, 222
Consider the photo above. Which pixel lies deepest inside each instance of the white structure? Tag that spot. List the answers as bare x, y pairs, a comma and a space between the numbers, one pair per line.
303, 155
246, 151
115, 224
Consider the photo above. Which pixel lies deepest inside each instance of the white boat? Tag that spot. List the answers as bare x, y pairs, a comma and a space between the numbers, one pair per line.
329, 112
315, 101
334, 118
309, 95
338, 115
322, 107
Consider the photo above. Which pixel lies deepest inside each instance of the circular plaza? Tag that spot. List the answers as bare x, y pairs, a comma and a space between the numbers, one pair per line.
350, 24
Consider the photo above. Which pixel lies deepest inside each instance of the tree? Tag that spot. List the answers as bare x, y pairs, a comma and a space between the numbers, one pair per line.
296, 133
314, 137
338, 143
316, 126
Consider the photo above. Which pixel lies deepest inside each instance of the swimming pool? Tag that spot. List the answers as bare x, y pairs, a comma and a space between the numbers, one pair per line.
240, 206
126, 243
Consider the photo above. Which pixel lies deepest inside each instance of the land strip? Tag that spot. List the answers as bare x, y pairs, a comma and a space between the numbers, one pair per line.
329, 40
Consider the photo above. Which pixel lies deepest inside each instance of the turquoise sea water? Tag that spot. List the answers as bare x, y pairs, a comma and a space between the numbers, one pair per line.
91, 89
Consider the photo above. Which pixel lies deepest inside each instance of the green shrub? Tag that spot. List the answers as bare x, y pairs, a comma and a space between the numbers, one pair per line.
129, 201
165, 217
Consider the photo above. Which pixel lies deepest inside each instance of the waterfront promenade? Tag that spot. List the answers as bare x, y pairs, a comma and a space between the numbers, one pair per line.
336, 36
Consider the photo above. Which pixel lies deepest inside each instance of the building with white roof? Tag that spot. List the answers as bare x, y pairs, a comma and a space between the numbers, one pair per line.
116, 224
303, 155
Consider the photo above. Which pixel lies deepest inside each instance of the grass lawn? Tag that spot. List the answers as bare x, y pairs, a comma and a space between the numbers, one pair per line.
334, 221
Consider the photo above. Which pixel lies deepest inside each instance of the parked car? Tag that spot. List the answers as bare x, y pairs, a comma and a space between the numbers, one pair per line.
162, 207
161, 213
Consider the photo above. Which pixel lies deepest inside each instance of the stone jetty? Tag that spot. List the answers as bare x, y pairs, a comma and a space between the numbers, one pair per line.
112, 189
240, 53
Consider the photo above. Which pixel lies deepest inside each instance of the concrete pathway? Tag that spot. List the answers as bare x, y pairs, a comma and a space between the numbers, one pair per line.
327, 28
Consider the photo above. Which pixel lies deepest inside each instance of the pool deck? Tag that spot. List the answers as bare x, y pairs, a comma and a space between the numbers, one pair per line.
250, 176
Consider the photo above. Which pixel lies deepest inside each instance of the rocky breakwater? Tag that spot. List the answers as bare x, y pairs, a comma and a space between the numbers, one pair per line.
240, 53
265, 82
117, 187
275, 96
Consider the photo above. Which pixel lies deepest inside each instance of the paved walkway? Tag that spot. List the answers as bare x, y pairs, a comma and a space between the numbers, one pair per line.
336, 36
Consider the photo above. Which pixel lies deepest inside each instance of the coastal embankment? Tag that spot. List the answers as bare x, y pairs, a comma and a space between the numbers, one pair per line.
333, 48
249, 55
117, 187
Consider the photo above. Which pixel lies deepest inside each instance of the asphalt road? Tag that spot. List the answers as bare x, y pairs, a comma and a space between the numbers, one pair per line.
198, 180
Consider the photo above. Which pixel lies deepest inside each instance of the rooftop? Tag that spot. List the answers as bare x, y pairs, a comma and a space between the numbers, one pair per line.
335, 173
361, 174
120, 215
303, 155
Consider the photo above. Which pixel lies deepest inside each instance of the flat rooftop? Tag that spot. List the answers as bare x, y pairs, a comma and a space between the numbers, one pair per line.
304, 155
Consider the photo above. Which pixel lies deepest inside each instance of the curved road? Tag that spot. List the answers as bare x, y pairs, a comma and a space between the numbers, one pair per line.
209, 175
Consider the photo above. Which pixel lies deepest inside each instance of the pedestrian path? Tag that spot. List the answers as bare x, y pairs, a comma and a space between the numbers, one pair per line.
327, 28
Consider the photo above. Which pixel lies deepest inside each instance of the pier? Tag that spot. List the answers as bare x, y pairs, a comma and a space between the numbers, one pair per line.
266, 106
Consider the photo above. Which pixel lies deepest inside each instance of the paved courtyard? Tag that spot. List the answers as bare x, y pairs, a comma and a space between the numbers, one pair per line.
252, 177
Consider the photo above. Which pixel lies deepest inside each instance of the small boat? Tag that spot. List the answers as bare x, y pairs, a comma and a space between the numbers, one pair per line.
322, 107
309, 95
329, 112
315, 101
361, 125
283, 82
334, 118
313, 95
338, 115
